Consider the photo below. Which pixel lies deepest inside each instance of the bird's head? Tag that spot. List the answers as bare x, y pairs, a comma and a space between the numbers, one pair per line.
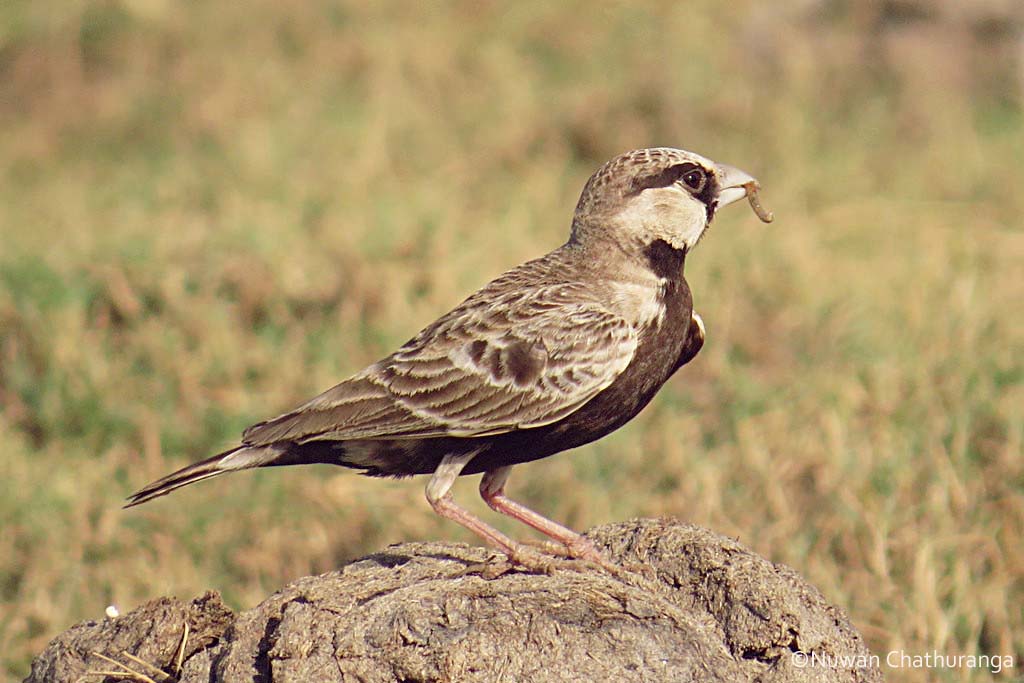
659, 194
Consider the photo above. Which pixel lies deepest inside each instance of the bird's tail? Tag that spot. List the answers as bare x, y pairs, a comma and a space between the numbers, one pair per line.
240, 458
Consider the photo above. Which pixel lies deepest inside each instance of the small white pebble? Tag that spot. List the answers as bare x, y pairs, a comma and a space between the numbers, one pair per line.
112, 612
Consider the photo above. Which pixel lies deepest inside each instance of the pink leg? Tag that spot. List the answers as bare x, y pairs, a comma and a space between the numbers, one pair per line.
440, 498
492, 490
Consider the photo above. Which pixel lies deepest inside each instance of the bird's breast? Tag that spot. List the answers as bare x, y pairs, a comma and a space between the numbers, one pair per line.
661, 340
642, 303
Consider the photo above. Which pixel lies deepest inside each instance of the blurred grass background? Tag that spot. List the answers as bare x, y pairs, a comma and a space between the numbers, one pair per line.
211, 211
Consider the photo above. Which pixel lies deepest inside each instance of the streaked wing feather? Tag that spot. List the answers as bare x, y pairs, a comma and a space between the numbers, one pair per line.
357, 408
519, 360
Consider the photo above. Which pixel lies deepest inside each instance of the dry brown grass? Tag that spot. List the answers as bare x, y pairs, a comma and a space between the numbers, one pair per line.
208, 214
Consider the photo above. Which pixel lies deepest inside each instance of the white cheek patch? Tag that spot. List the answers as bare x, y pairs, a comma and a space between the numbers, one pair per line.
666, 213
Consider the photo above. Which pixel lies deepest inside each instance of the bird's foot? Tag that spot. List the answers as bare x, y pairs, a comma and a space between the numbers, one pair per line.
580, 555
545, 562
491, 569
583, 554
521, 556
546, 557
542, 557
639, 568
529, 562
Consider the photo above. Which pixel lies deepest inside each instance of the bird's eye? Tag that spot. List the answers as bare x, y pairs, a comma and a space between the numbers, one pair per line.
695, 179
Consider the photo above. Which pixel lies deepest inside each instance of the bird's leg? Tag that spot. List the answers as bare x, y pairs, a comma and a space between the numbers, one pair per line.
440, 498
492, 490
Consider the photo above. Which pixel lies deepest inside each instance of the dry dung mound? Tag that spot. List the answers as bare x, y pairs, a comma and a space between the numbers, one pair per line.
690, 605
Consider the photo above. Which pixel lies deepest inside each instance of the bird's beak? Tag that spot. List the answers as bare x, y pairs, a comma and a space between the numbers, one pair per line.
735, 185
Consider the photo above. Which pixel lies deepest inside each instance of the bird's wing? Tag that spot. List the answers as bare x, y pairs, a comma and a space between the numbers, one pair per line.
510, 361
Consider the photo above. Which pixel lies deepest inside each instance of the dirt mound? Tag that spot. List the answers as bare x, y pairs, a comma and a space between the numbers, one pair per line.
691, 606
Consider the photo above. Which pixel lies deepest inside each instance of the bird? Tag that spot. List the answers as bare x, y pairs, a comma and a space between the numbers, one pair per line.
551, 355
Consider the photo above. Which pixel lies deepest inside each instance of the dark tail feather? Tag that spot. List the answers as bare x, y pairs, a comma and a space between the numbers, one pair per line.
240, 458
